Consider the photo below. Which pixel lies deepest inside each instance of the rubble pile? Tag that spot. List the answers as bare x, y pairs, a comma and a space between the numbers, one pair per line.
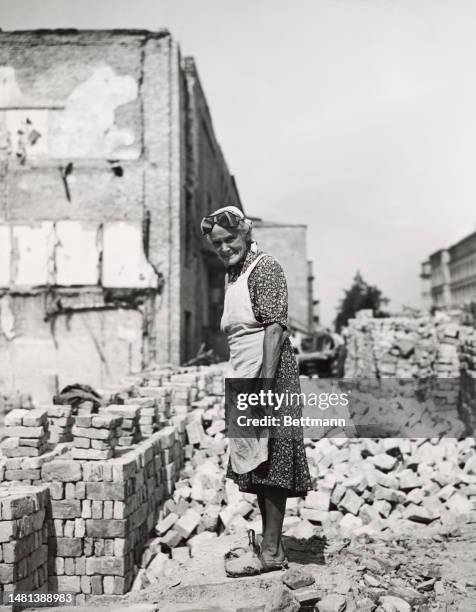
468, 380
392, 409
362, 488
109, 492
27, 433
403, 347
389, 487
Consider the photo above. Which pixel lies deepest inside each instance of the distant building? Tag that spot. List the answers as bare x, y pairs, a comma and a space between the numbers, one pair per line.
288, 244
449, 275
108, 160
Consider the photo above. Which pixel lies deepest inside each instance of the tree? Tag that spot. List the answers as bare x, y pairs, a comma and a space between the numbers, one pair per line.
359, 296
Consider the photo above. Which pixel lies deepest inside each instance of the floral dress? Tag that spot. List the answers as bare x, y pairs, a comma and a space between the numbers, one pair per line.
287, 466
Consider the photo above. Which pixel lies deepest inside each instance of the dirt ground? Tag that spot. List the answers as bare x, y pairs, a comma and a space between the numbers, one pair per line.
431, 573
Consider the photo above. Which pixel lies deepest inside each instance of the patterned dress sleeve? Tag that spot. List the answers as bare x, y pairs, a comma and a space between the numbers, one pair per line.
269, 292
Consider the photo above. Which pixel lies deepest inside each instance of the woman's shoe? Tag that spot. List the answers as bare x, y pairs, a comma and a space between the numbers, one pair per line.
270, 564
239, 563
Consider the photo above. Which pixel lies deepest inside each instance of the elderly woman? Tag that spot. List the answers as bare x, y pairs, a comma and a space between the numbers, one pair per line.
255, 321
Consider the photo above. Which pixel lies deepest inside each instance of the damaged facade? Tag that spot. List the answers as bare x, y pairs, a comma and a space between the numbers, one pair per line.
108, 160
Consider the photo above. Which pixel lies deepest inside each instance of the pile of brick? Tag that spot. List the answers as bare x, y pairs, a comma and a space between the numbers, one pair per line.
60, 419
403, 347
95, 436
101, 515
393, 410
390, 486
104, 508
23, 539
129, 432
147, 412
27, 433
468, 380
374, 488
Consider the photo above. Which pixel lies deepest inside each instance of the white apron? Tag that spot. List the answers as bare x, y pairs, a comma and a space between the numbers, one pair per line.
245, 337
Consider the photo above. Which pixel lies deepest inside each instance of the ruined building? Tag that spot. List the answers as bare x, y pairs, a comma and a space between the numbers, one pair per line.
108, 160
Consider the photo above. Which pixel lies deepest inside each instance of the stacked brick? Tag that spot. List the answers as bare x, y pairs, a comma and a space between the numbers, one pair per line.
147, 405
23, 538
468, 380
129, 432
60, 419
404, 347
103, 511
410, 357
27, 433
95, 436
400, 347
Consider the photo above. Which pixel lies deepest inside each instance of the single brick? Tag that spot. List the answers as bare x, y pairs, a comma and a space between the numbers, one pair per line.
106, 491
91, 454
35, 418
62, 470
106, 528
25, 432
66, 509
111, 566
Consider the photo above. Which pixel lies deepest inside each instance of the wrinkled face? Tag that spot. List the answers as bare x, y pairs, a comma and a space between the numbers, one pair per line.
230, 245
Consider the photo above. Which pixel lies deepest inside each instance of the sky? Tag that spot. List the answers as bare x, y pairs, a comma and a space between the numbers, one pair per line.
355, 117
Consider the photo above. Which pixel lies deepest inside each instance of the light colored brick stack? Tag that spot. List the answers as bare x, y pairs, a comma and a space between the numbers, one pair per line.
23, 538
155, 410
95, 436
129, 432
102, 513
163, 404
401, 347
183, 391
413, 356
147, 405
172, 454
468, 379
360, 359
60, 419
27, 433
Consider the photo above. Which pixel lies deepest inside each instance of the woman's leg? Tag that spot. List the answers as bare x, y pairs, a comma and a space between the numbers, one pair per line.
262, 509
274, 509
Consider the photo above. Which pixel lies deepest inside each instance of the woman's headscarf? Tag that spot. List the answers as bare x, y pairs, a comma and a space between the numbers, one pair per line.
239, 213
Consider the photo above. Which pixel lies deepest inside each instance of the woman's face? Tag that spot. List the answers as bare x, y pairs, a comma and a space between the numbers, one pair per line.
230, 247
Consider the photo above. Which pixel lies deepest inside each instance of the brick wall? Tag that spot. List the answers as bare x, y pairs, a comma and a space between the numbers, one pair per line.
108, 160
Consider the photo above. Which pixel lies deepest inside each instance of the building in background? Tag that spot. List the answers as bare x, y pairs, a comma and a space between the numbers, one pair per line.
108, 160
449, 275
288, 244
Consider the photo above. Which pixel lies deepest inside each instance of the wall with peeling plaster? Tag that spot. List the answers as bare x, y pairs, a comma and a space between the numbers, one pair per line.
107, 161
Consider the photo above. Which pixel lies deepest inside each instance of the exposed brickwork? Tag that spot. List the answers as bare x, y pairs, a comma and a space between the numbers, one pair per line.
96, 128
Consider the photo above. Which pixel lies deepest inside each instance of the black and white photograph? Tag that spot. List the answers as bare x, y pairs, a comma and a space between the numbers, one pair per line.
238, 305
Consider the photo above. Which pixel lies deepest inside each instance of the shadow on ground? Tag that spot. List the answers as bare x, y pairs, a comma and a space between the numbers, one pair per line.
305, 551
